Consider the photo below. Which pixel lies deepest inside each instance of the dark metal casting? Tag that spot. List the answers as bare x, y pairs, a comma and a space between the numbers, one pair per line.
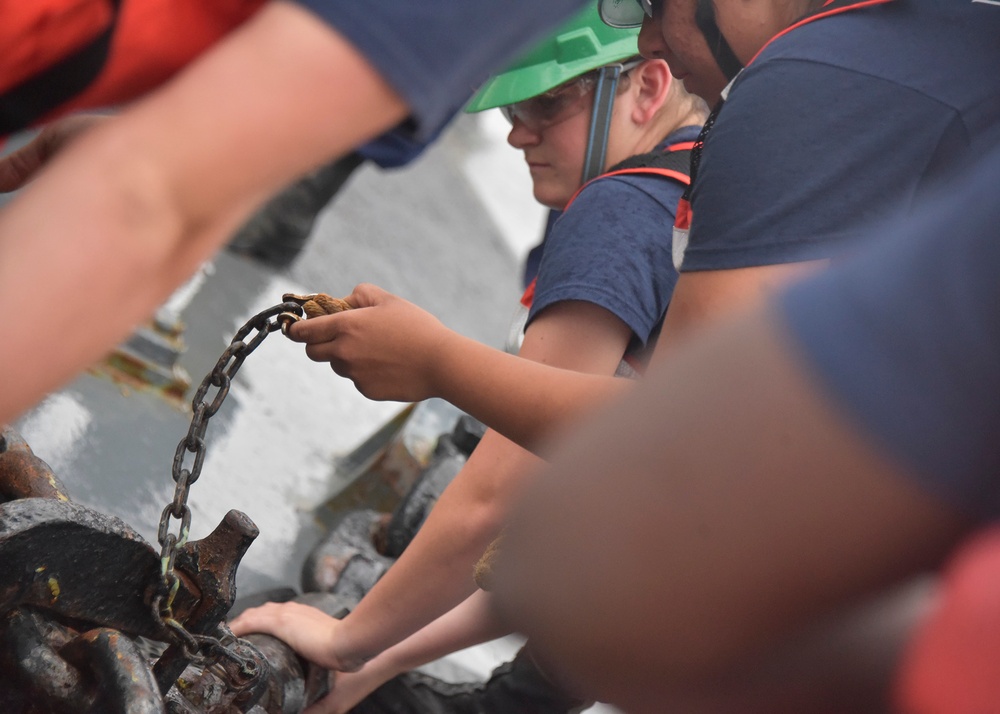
77, 563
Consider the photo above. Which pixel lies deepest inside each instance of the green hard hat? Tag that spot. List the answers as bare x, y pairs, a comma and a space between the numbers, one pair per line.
582, 44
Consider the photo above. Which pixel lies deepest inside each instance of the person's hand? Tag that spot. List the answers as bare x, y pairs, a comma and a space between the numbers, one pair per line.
20, 166
387, 346
310, 632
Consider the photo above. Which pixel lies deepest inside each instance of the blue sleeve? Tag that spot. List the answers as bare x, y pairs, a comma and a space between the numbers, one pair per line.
905, 337
397, 147
436, 53
611, 247
803, 156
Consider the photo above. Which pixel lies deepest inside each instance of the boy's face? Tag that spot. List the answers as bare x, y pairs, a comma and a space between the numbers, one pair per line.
554, 155
672, 35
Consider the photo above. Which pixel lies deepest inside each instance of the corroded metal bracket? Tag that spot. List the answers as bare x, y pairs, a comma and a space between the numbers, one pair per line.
22, 474
78, 563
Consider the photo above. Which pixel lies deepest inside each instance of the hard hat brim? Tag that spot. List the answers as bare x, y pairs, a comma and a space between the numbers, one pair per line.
582, 44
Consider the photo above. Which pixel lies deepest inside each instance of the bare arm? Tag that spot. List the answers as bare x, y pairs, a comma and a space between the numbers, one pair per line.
472, 622
392, 349
434, 573
744, 511
530, 402
533, 401
703, 296
125, 214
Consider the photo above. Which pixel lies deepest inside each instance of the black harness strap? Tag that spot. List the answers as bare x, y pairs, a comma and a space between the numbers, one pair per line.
704, 18
27, 102
679, 161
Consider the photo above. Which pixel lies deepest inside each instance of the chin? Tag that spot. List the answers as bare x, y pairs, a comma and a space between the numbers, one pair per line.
709, 89
551, 197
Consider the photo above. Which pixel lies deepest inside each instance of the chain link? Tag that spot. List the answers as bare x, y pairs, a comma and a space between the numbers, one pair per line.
220, 378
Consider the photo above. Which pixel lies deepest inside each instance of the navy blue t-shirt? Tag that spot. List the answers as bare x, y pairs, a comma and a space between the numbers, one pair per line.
905, 337
611, 247
840, 121
436, 53
397, 147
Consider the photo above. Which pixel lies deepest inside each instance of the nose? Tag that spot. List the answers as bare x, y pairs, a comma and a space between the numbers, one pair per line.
651, 42
521, 135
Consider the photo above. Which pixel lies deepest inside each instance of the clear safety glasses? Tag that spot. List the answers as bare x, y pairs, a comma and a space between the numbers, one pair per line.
558, 104
554, 106
626, 13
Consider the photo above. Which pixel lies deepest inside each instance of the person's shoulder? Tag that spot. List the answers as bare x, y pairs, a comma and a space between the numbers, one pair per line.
618, 192
611, 209
890, 42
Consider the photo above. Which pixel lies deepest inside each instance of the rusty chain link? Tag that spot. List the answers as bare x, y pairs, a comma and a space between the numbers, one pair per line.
220, 378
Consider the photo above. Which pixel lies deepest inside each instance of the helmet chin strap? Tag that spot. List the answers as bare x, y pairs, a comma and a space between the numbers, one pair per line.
600, 121
705, 19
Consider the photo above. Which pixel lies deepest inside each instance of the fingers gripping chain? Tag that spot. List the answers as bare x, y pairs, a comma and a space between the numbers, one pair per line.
314, 305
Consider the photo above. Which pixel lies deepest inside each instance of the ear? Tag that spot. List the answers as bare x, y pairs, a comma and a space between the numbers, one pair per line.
651, 87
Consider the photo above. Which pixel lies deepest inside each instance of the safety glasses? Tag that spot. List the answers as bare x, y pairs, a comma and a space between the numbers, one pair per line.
625, 13
560, 103
554, 106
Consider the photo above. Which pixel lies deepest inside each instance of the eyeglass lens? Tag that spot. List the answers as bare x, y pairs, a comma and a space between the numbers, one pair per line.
552, 107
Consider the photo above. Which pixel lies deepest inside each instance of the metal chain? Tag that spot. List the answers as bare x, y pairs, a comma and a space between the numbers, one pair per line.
220, 378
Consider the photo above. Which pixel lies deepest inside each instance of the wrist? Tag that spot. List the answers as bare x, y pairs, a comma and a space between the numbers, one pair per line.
388, 665
444, 360
344, 652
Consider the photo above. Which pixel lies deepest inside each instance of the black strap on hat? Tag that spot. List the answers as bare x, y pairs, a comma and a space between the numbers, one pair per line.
704, 17
600, 121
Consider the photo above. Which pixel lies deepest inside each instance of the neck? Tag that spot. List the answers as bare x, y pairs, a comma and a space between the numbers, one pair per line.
687, 111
